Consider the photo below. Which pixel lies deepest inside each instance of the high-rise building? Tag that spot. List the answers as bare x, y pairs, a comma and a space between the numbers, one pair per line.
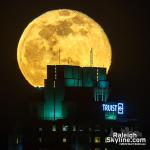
68, 89
75, 113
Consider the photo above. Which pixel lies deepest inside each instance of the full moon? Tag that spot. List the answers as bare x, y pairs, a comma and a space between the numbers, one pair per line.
61, 37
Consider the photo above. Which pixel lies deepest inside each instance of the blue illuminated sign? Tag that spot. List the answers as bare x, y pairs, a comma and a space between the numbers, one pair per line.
119, 108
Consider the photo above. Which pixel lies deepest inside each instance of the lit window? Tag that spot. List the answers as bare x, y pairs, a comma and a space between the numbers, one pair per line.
65, 128
97, 140
64, 140
55, 72
54, 84
99, 97
40, 139
17, 141
54, 128
97, 74
90, 140
74, 128
90, 129
40, 129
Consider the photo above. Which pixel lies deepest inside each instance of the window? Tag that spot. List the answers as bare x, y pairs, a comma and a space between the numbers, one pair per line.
65, 127
64, 140
74, 128
54, 128
97, 140
40, 129
17, 141
99, 97
40, 139
90, 139
90, 129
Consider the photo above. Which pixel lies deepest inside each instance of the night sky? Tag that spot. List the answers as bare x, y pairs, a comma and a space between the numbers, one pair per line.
126, 24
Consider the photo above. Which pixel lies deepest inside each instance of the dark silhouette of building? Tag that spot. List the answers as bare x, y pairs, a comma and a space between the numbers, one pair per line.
70, 115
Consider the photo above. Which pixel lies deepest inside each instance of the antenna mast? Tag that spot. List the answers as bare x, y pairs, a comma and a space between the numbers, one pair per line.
91, 57
68, 60
59, 56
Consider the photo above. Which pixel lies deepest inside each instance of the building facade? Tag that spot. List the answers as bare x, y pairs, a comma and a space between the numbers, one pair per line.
75, 113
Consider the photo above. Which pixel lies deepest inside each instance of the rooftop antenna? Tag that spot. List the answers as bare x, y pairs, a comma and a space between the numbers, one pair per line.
91, 57
59, 56
68, 60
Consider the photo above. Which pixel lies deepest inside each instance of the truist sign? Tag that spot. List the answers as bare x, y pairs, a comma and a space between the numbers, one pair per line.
118, 108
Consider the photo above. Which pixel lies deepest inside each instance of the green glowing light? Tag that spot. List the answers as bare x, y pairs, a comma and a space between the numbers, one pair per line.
103, 84
73, 83
52, 106
110, 115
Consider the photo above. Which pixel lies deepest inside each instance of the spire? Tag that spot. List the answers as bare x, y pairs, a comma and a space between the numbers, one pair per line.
59, 56
68, 60
91, 57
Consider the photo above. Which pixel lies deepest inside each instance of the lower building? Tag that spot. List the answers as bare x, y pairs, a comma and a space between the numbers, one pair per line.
76, 113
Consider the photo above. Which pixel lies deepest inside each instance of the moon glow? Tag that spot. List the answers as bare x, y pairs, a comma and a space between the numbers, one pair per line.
61, 37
